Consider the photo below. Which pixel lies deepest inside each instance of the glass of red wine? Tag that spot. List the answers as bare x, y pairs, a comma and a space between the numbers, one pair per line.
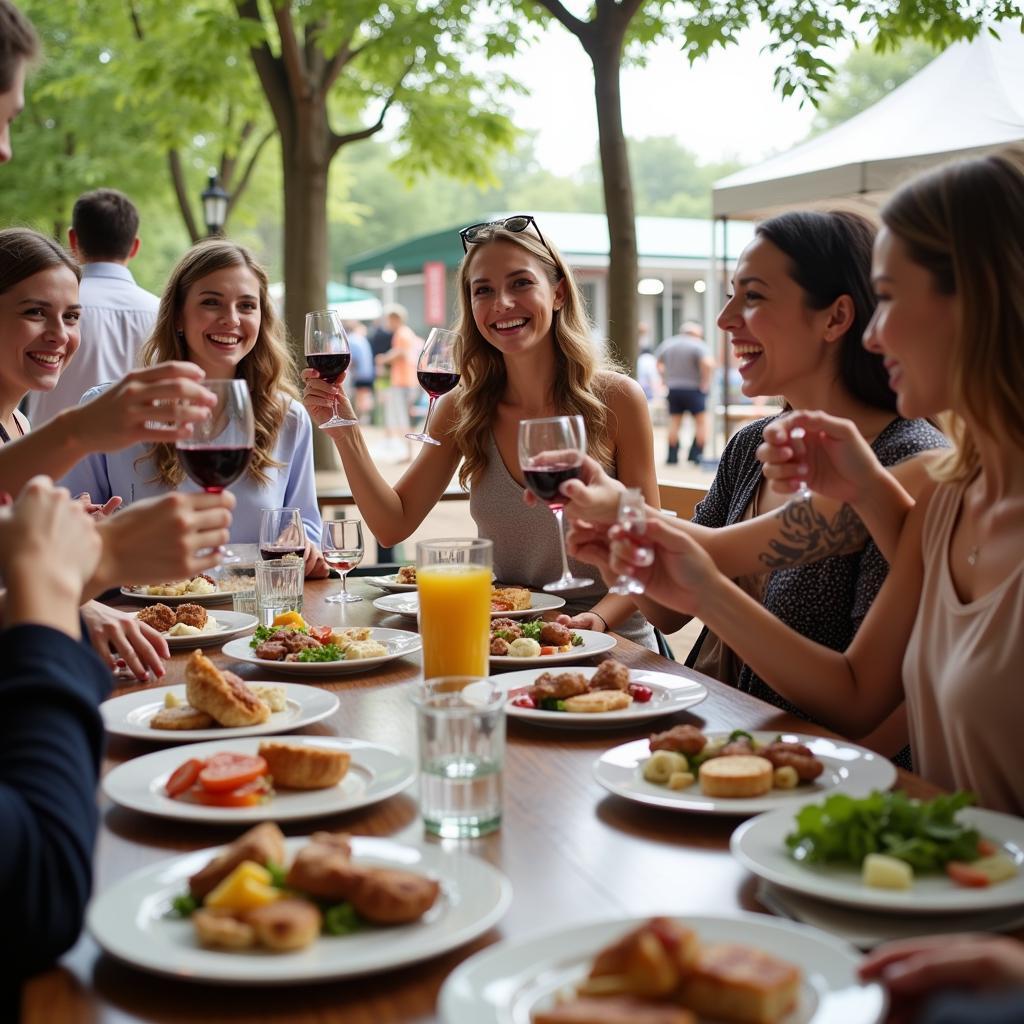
219, 449
343, 550
328, 353
550, 452
438, 372
282, 533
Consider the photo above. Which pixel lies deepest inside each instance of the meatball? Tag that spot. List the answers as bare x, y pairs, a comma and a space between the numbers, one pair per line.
499, 647
683, 739
554, 634
509, 627
192, 615
565, 684
797, 756
159, 616
610, 675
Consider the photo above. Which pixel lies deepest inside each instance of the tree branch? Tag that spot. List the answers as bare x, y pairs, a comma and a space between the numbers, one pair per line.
249, 167
291, 51
268, 68
181, 193
338, 64
133, 14
337, 141
580, 29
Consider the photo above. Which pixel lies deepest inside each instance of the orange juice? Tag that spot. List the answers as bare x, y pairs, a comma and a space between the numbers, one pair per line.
455, 619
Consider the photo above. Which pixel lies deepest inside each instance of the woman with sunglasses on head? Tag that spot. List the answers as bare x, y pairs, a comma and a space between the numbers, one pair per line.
526, 354
801, 302
945, 629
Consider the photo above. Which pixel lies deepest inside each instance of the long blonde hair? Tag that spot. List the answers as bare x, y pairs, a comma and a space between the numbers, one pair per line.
267, 369
581, 379
964, 223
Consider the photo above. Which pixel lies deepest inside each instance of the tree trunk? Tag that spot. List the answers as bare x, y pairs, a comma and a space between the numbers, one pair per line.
618, 203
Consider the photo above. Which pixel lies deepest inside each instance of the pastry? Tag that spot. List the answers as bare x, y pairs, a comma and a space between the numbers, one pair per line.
182, 717
222, 694
263, 844
300, 767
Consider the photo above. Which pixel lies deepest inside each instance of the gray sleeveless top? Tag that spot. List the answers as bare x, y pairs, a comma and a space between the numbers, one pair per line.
526, 545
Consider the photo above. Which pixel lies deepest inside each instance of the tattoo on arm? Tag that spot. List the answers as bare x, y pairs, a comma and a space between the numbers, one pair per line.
807, 536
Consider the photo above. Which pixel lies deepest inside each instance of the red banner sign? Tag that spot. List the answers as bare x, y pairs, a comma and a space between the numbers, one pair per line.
433, 294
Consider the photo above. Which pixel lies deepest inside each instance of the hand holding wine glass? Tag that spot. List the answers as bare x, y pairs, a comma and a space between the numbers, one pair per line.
343, 551
328, 353
438, 371
282, 533
551, 451
633, 523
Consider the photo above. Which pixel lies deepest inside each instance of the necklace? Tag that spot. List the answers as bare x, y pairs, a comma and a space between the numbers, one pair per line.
972, 555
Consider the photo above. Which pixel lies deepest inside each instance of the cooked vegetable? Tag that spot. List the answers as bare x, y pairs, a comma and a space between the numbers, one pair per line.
328, 652
662, 764
881, 871
741, 734
184, 777
341, 919
227, 771
552, 704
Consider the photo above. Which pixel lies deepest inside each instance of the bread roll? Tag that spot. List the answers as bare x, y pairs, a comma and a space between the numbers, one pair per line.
294, 766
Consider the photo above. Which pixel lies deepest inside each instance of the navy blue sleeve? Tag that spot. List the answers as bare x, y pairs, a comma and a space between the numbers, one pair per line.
51, 740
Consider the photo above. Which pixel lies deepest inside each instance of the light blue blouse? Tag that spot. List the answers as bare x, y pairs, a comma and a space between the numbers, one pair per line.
292, 484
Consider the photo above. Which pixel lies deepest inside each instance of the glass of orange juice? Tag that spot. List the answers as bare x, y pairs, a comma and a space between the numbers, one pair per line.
453, 578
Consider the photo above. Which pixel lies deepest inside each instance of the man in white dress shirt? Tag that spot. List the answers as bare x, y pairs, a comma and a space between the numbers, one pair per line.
117, 315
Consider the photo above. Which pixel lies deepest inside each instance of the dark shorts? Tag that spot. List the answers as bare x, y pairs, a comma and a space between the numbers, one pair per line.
365, 382
682, 400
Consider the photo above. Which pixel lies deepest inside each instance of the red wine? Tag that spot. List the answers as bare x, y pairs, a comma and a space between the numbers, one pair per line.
330, 365
342, 564
436, 384
544, 482
214, 468
282, 552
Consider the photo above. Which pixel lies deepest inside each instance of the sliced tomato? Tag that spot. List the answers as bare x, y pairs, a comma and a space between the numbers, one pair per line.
524, 700
965, 874
640, 693
549, 650
248, 795
986, 848
321, 633
229, 771
184, 777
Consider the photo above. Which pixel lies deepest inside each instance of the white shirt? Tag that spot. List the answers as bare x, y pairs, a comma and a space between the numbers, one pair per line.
117, 318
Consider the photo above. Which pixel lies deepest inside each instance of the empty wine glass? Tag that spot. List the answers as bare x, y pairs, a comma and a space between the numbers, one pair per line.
343, 550
282, 533
438, 371
803, 492
220, 447
633, 520
328, 353
551, 451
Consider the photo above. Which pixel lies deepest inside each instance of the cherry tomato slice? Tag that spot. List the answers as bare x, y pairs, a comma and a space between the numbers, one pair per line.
229, 771
524, 700
640, 693
183, 777
986, 848
549, 650
964, 874
248, 795
321, 633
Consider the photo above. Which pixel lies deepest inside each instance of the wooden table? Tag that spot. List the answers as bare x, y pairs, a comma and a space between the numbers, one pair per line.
573, 852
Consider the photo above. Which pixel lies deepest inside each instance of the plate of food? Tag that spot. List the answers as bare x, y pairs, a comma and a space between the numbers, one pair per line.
323, 650
209, 916
685, 769
887, 852
399, 582
214, 705
622, 697
666, 969
188, 624
202, 589
243, 781
507, 602
577, 644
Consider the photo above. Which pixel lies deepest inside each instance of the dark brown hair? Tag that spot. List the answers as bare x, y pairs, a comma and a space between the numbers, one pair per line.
18, 42
24, 252
105, 223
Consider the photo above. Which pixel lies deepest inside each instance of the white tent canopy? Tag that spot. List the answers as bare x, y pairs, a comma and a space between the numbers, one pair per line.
968, 100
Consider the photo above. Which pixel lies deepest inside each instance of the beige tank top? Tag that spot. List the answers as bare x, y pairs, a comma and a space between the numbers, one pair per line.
963, 672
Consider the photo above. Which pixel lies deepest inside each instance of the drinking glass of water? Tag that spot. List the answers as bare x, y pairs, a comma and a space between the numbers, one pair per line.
461, 733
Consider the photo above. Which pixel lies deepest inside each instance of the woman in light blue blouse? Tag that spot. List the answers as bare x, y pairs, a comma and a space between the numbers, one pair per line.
215, 313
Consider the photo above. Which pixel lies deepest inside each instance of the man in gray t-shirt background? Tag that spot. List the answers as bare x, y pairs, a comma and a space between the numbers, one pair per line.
686, 365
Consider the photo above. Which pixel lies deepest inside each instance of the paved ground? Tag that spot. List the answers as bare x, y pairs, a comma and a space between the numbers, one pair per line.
451, 518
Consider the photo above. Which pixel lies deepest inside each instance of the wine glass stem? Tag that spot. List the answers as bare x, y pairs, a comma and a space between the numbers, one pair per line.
426, 422
344, 583
561, 542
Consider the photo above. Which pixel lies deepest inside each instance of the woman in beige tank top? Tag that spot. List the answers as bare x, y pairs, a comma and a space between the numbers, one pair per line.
947, 628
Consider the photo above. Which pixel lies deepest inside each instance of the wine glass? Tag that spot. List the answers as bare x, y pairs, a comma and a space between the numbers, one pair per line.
282, 533
220, 447
550, 452
803, 492
343, 550
633, 520
438, 371
328, 353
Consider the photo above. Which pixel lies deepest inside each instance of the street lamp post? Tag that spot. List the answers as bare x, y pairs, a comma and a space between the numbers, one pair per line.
215, 207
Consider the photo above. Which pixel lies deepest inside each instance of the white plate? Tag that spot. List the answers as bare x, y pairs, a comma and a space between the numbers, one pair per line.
231, 624
505, 983
759, 845
848, 769
374, 773
593, 643
399, 643
671, 694
409, 604
389, 583
129, 920
220, 597
130, 714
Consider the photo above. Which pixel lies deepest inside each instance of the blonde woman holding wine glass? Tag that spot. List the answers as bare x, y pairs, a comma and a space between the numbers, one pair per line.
526, 354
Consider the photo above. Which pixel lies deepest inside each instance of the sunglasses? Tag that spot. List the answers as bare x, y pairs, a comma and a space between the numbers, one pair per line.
520, 222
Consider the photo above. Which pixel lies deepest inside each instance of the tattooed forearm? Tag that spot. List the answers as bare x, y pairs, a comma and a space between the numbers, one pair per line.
807, 536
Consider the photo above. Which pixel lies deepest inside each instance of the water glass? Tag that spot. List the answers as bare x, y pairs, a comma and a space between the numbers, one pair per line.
278, 587
461, 738
453, 578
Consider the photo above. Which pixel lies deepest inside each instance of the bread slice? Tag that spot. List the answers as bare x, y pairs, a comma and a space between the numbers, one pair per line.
294, 766
648, 961
182, 717
736, 777
599, 700
735, 983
